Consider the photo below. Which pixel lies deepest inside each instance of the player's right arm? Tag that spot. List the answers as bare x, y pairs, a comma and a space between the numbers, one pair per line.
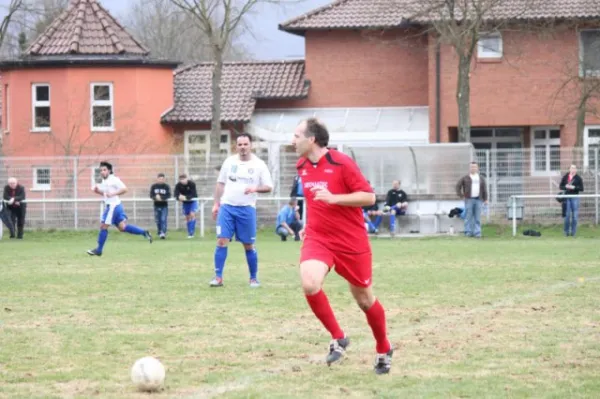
360, 191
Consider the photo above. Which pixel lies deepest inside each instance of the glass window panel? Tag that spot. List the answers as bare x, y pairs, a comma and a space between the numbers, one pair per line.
555, 134
42, 93
482, 133
102, 93
539, 158
555, 157
42, 116
43, 176
594, 133
102, 116
539, 135
509, 132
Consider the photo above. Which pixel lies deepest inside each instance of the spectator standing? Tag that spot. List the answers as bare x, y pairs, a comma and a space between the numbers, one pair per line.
14, 195
160, 192
572, 184
473, 189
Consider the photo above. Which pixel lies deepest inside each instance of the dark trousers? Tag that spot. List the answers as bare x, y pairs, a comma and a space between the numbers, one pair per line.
17, 215
161, 213
300, 206
6, 219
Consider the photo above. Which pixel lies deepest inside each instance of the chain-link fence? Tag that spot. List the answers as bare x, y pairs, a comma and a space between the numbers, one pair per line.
427, 172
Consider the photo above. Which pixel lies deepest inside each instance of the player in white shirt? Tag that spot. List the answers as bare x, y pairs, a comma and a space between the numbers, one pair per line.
110, 188
241, 177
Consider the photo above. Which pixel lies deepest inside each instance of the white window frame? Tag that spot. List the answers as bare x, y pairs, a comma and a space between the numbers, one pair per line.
485, 53
586, 145
547, 142
41, 187
35, 104
102, 103
206, 145
583, 73
94, 169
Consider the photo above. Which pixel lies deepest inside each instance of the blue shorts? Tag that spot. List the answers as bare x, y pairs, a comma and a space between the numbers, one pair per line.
189, 207
239, 221
398, 210
113, 214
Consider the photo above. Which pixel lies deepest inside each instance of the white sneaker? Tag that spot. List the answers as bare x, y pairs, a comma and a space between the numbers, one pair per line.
254, 283
190, 236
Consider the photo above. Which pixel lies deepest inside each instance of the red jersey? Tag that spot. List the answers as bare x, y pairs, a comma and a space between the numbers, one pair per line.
339, 228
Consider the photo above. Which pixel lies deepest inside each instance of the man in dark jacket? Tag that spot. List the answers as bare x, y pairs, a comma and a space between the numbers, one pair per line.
185, 192
14, 195
572, 184
160, 192
298, 193
473, 189
396, 203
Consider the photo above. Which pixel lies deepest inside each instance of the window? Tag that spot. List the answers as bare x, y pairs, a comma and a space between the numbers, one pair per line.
41, 178
40, 95
102, 114
96, 176
6, 108
197, 145
489, 45
591, 146
589, 56
546, 150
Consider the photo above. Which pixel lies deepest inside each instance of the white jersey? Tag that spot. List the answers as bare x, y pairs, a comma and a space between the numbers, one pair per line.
237, 175
111, 184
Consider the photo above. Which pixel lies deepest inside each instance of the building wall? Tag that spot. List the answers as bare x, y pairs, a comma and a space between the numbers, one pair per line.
359, 69
141, 95
529, 86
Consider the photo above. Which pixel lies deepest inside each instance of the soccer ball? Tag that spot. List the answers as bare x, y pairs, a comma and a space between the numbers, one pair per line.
148, 374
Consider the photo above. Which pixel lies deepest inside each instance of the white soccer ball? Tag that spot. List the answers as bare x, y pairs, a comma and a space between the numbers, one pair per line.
148, 374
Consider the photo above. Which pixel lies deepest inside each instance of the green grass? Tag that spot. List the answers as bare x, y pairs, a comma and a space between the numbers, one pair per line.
497, 317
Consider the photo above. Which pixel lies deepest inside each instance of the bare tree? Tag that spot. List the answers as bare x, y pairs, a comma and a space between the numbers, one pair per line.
12, 9
578, 95
462, 24
171, 33
220, 21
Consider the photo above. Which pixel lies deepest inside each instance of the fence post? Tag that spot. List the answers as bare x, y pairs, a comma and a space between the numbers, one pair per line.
487, 182
596, 181
134, 206
202, 203
514, 215
44, 209
176, 203
75, 204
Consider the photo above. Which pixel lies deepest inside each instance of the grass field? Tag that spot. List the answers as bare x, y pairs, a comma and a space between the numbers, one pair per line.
497, 317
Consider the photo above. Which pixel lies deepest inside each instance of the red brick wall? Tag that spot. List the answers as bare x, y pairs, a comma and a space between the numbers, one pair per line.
359, 69
522, 89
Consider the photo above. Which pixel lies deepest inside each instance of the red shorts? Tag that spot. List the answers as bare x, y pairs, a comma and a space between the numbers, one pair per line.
355, 268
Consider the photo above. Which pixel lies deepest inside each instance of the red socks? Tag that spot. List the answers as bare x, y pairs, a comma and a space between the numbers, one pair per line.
376, 319
321, 308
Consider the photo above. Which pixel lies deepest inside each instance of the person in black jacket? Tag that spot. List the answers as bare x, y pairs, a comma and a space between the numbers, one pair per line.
160, 192
298, 193
14, 195
185, 192
572, 184
6, 219
396, 203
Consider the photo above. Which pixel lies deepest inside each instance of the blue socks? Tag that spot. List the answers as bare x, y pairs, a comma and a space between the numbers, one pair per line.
252, 258
102, 236
191, 227
220, 256
131, 229
392, 222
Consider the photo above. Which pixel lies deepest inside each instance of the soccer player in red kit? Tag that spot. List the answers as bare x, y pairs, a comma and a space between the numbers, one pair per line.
335, 236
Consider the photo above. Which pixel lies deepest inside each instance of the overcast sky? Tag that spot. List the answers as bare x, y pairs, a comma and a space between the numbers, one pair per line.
270, 42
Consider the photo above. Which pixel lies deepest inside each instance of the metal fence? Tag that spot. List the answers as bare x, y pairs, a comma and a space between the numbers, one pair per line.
426, 172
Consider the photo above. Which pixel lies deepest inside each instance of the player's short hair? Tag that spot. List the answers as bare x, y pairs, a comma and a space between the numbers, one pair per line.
244, 134
317, 129
182, 176
107, 165
161, 175
293, 200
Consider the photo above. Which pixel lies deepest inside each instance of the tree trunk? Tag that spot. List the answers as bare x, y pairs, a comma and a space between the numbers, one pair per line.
215, 125
463, 96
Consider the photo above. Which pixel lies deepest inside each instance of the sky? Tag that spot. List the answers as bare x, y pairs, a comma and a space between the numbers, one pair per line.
267, 42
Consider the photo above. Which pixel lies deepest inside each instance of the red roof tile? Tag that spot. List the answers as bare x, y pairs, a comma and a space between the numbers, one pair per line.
242, 83
356, 14
85, 27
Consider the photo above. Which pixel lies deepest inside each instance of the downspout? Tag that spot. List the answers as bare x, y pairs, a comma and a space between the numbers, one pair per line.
438, 72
